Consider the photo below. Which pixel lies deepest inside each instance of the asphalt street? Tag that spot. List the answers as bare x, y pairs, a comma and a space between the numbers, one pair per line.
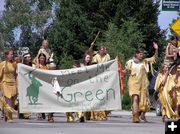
119, 122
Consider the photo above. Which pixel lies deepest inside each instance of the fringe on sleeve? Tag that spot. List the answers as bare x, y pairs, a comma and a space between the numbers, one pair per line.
151, 61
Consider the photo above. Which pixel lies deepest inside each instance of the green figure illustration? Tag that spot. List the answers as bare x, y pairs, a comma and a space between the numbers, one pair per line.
33, 89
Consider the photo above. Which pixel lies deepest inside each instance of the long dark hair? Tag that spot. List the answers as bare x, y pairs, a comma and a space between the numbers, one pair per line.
84, 61
174, 37
42, 54
24, 59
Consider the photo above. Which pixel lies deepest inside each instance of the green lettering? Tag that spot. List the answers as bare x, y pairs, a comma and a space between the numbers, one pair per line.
106, 78
98, 93
75, 94
88, 93
100, 67
69, 82
71, 98
108, 91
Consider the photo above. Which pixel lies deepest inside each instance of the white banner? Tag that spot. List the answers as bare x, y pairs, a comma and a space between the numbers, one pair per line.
89, 88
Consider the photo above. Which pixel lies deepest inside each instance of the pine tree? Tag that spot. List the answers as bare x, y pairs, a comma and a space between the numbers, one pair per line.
71, 33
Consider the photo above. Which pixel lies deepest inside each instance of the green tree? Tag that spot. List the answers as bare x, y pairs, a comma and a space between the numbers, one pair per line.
71, 33
100, 12
145, 13
21, 17
122, 42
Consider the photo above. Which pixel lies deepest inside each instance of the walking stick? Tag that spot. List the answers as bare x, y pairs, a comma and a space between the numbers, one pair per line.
90, 50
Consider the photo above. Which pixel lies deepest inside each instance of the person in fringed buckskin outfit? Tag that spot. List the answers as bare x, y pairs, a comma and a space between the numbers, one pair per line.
42, 64
171, 51
101, 57
8, 84
163, 86
137, 68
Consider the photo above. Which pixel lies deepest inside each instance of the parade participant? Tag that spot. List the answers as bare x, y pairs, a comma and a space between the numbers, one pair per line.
177, 60
17, 59
171, 51
81, 115
138, 67
27, 60
101, 57
8, 83
174, 85
86, 62
163, 90
41, 64
72, 116
52, 66
45, 50
177, 91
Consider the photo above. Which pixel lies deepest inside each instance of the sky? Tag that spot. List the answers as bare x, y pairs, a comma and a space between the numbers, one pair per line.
164, 19
1, 5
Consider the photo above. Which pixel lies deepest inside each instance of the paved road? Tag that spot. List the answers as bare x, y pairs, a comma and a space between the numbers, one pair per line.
118, 123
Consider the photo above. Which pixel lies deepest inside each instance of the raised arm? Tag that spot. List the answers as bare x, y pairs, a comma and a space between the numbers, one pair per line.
153, 58
168, 54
